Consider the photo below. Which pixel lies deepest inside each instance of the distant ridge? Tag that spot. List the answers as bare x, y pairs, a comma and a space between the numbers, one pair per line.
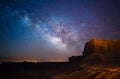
16, 59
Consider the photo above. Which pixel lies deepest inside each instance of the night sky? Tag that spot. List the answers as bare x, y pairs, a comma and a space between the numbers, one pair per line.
53, 30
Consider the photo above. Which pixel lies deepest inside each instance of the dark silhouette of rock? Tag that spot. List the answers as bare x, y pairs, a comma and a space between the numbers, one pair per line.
75, 59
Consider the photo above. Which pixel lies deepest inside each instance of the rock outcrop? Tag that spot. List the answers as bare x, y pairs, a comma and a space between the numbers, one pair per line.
105, 50
92, 72
75, 59
102, 51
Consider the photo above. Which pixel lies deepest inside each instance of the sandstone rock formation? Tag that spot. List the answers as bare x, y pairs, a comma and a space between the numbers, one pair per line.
101, 51
104, 50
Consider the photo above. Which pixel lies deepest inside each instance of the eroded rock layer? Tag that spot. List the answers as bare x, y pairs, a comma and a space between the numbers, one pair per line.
104, 50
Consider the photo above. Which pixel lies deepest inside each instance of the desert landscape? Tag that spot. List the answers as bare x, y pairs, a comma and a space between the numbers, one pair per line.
59, 39
92, 65
100, 60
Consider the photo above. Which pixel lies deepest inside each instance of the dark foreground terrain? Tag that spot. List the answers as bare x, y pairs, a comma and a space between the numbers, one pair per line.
58, 70
92, 72
33, 70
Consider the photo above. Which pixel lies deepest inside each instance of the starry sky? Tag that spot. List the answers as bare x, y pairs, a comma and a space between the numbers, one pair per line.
53, 30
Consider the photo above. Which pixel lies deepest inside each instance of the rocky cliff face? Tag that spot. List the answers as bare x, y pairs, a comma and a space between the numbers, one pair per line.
102, 50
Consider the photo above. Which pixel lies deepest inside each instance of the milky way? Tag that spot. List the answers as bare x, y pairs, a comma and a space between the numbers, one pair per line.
53, 30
